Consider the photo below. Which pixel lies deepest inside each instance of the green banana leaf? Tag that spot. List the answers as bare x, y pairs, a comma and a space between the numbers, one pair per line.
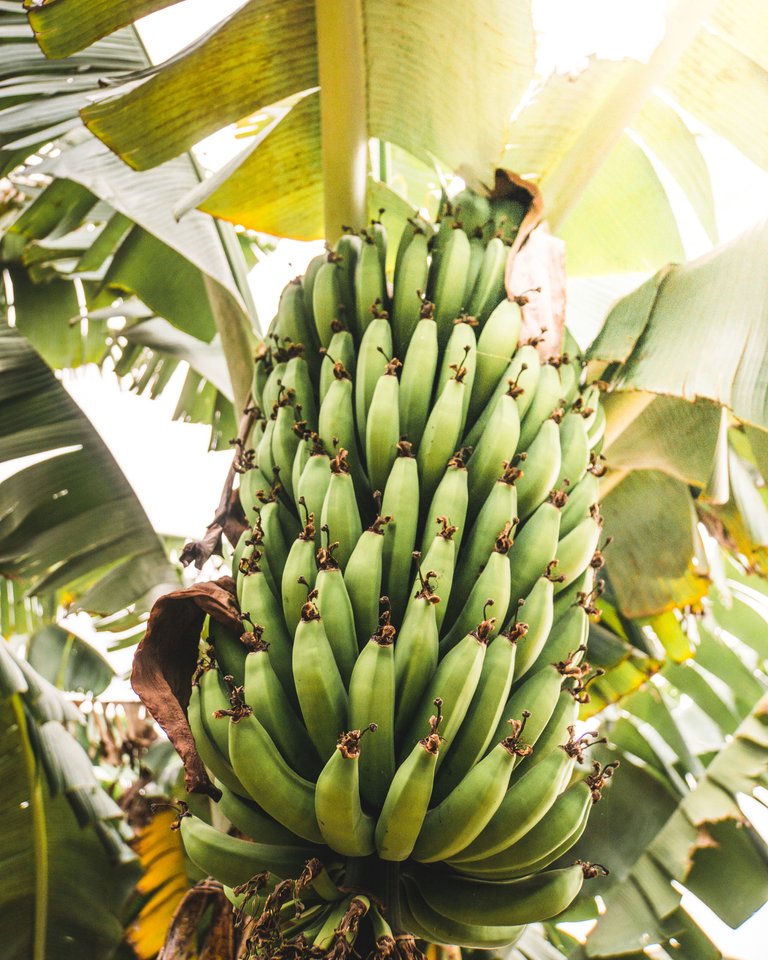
67, 661
69, 519
67, 873
689, 758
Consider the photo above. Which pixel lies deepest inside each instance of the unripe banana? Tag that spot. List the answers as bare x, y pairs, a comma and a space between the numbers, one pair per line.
540, 468
472, 211
416, 654
327, 299
495, 447
336, 610
348, 249
447, 289
450, 500
402, 494
407, 800
363, 576
498, 511
454, 684
274, 711
535, 546
294, 322
523, 374
261, 608
545, 401
372, 696
440, 561
341, 350
411, 274
313, 483
489, 288
340, 518
382, 429
251, 820
574, 442
460, 350
345, 827
372, 357
336, 425
319, 687
370, 283
537, 613
485, 710
495, 347
460, 817
418, 377
228, 649
273, 785
576, 549
581, 497
441, 434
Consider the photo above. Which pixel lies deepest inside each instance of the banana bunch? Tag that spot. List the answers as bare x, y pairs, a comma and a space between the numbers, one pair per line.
394, 727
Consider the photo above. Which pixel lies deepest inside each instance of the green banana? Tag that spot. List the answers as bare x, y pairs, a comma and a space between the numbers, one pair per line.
363, 577
540, 468
440, 560
494, 449
545, 401
581, 497
336, 610
525, 900
216, 761
434, 927
382, 428
472, 210
441, 433
450, 500
326, 299
348, 249
489, 291
529, 797
490, 588
250, 819
319, 687
484, 712
537, 612
498, 511
576, 549
344, 825
297, 378
495, 346
522, 373
299, 574
554, 834
228, 649
372, 357
447, 288
314, 480
285, 441
459, 818
574, 442
408, 796
308, 284
416, 653
535, 546
537, 695
274, 711
459, 351
340, 518
563, 717
411, 272
336, 425
401, 494
454, 684
372, 700
260, 607
370, 282
418, 377
233, 861
341, 350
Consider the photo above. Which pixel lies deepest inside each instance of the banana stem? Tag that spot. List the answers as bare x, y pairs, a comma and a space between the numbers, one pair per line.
343, 115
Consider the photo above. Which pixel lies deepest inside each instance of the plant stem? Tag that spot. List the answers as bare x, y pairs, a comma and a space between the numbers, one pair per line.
343, 115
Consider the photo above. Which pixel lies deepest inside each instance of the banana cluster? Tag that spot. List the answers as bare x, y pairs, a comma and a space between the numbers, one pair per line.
394, 729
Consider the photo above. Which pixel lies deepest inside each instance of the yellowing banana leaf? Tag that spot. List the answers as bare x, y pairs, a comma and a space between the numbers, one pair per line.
669, 334
163, 884
196, 94
623, 220
652, 518
65, 26
64, 881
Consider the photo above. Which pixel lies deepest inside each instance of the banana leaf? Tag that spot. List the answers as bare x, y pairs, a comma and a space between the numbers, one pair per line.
66, 872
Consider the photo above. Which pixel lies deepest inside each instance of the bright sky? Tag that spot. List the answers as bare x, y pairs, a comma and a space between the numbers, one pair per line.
572, 30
